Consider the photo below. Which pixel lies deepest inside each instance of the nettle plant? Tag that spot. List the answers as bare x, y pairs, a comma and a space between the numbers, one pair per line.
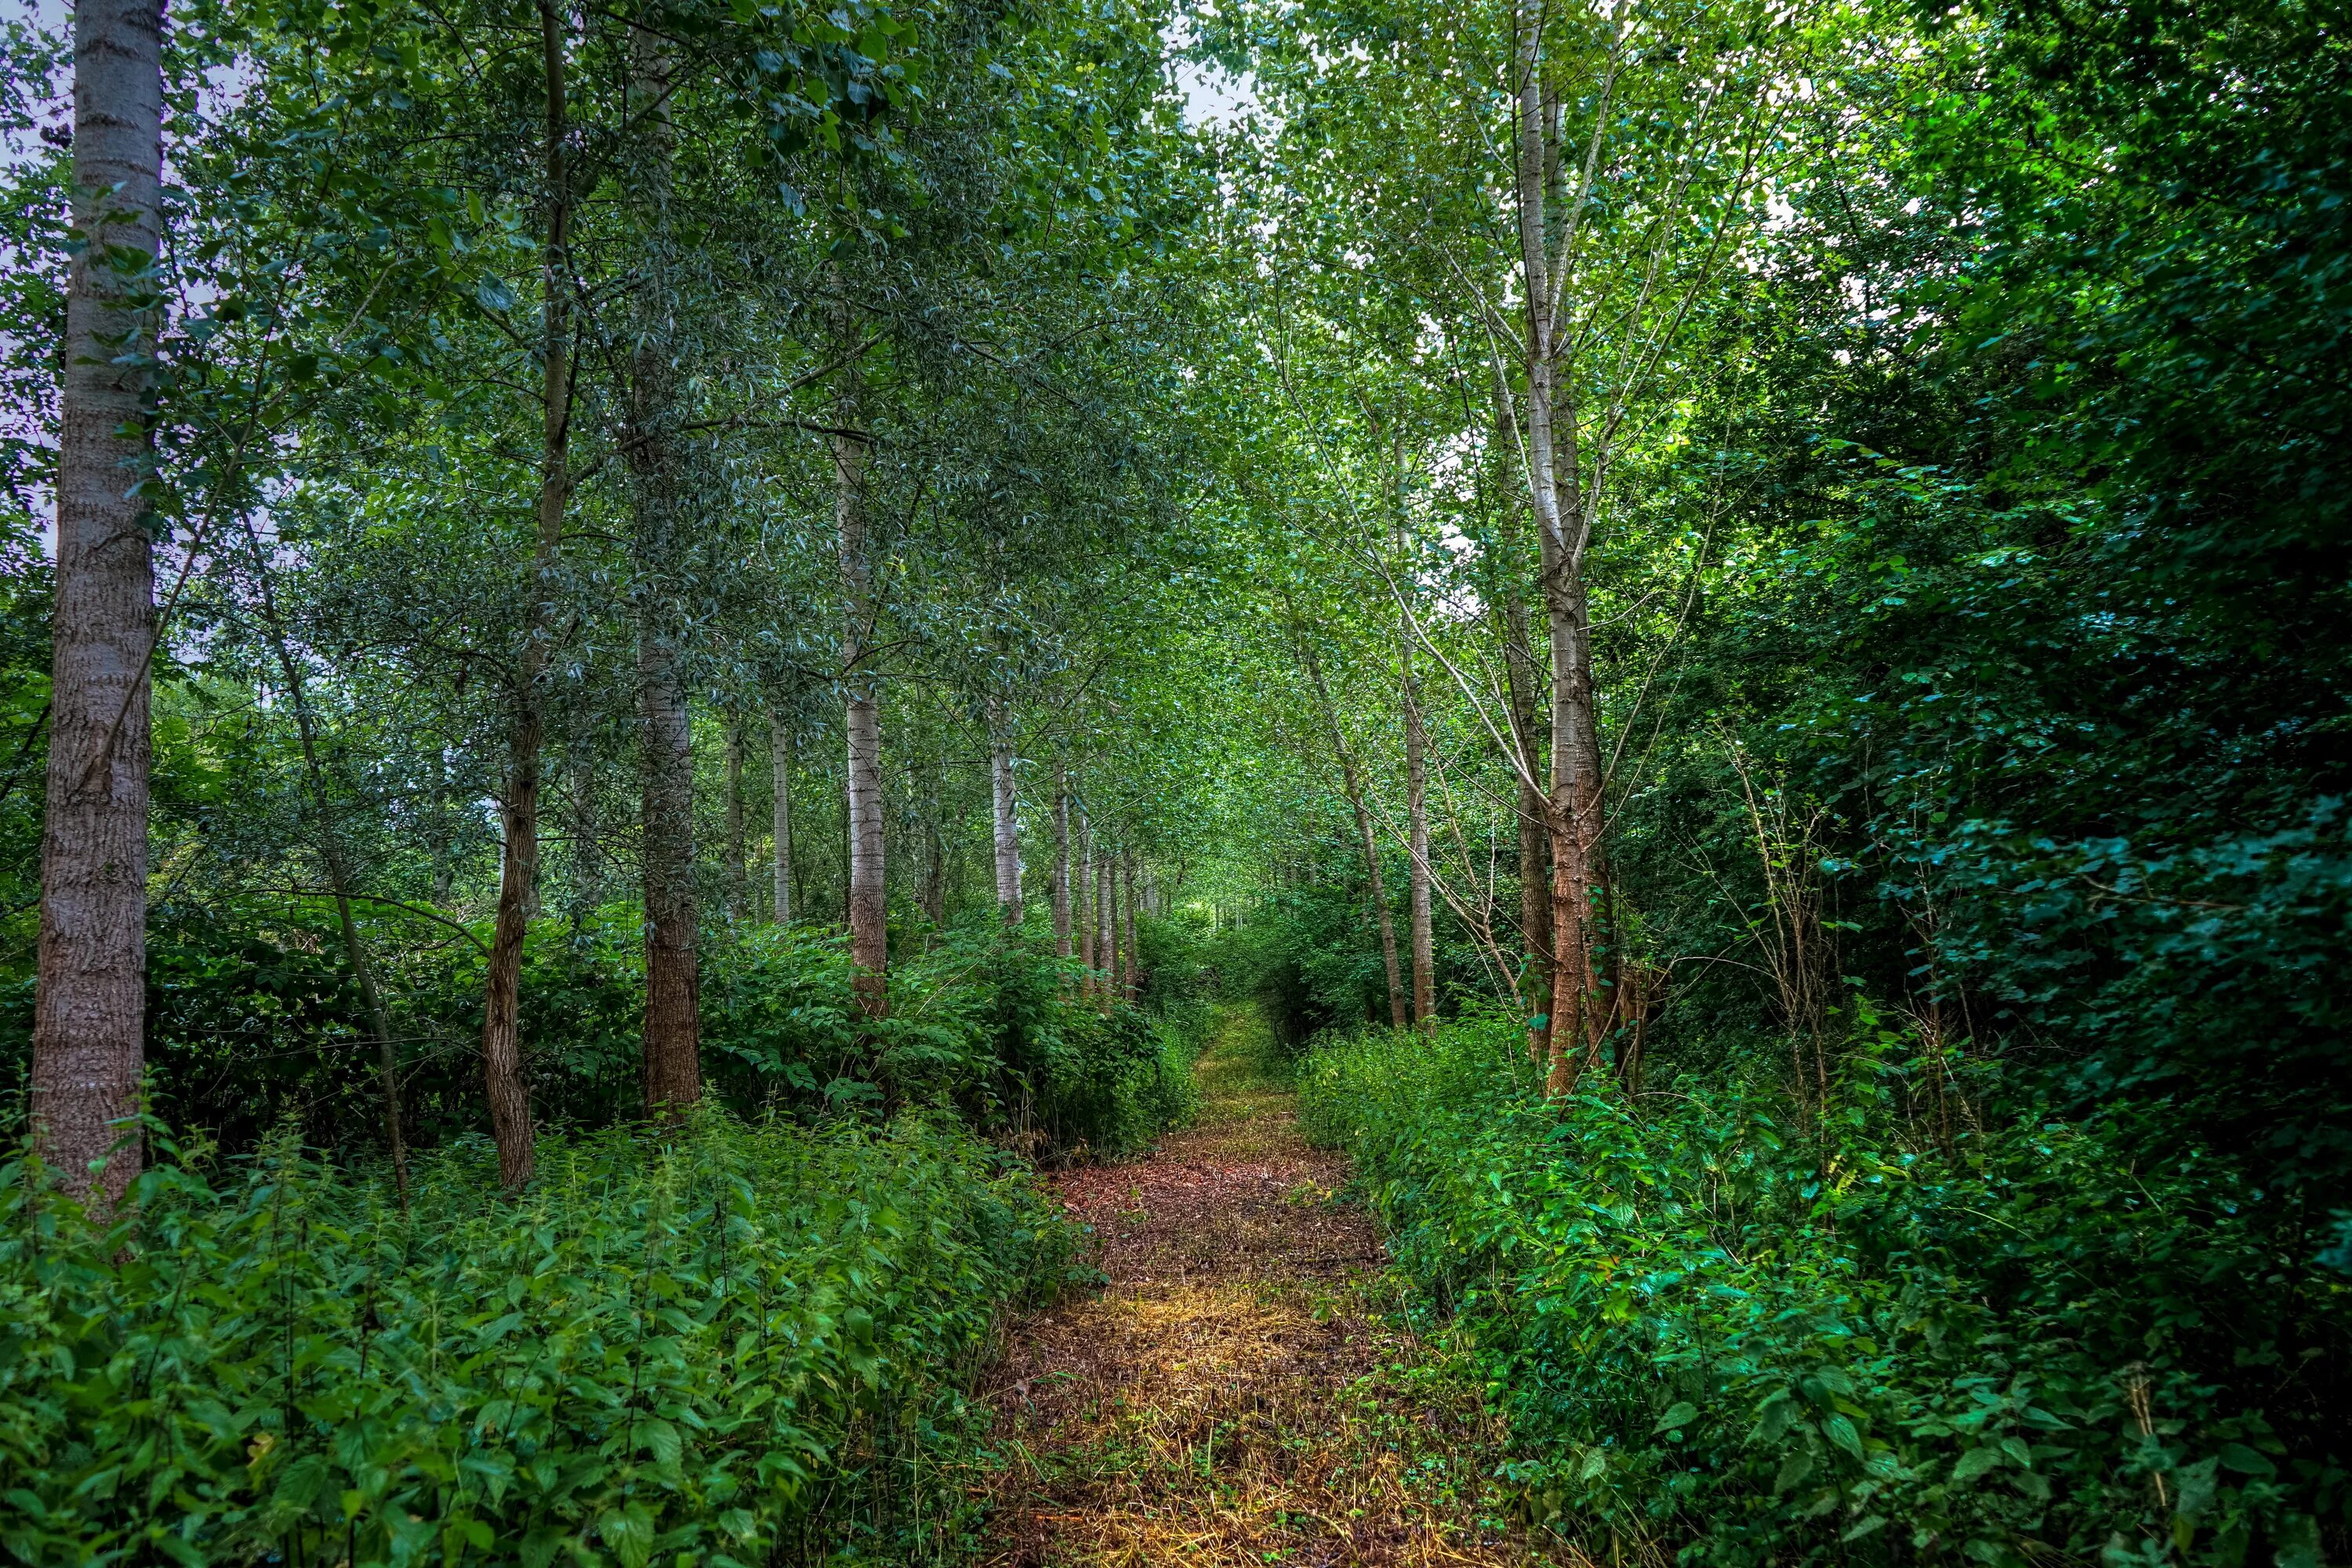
672, 1348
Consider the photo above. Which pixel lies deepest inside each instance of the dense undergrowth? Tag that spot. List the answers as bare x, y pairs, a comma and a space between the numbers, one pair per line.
1734, 1330
252, 1018
749, 1340
729, 1346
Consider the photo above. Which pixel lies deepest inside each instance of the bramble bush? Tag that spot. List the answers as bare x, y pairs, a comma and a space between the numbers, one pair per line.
720, 1346
1728, 1326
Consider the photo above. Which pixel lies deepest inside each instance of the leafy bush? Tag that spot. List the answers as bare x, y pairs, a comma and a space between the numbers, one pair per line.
672, 1348
253, 1016
1725, 1327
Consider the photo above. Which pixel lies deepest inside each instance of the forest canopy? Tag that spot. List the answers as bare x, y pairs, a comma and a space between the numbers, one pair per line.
1731, 620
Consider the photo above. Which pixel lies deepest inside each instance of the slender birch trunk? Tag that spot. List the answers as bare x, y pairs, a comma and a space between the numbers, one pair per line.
1571, 811
89, 999
1106, 929
1083, 913
1519, 673
1416, 804
1061, 865
739, 880
779, 763
1131, 979
673, 1020
868, 905
1007, 818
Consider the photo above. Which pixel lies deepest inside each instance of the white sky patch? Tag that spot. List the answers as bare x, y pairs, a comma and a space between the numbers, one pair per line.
1214, 97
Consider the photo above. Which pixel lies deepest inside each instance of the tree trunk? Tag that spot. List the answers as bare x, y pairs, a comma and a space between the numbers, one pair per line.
1061, 866
1132, 969
739, 879
1105, 928
1520, 672
90, 1000
503, 1085
1007, 813
1399, 1017
868, 910
673, 1024
780, 761
1416, 804
1573, 809
1083, 913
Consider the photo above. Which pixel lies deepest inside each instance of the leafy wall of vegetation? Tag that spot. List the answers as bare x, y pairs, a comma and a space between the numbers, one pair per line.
1735, 1331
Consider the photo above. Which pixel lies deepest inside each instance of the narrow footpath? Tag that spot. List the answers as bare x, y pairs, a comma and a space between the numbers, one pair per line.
1239, 1392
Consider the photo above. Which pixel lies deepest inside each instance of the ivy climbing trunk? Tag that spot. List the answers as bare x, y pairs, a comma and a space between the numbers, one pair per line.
672, 1017
89, 998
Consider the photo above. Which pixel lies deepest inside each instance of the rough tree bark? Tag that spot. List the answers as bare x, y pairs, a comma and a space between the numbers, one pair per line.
672, 1018
780, 761
1007, 809
90, 998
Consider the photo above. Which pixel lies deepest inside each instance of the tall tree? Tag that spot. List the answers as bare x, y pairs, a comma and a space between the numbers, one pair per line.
672, 1017
89, 1001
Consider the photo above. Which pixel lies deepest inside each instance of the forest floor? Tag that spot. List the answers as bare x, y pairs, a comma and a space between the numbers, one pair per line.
1242, 1390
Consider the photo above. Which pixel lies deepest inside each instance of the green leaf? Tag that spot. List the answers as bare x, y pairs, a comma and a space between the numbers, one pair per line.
1681, 1413
1976, 1462
1840, 1430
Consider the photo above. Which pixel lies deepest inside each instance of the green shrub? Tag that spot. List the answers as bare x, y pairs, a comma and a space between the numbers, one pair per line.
670, 1348
1726, 1328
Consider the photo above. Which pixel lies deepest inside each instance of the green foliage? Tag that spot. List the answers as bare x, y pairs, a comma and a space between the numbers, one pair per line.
1753, 1337
682, 1349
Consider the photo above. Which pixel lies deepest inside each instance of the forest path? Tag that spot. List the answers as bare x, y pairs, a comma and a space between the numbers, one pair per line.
1239, 1392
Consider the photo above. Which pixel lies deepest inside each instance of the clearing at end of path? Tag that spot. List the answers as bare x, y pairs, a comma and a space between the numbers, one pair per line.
1239, 1392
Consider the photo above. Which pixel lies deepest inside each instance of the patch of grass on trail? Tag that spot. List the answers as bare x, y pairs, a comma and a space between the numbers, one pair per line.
1241, 1391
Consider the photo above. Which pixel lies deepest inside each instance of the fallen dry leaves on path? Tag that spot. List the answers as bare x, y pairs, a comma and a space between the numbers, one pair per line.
1236, 1395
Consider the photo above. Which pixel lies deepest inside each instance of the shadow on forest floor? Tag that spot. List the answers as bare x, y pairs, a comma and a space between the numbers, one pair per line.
1240, 1390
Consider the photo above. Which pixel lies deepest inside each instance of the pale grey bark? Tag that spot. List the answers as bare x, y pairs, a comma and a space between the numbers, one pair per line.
1007, 814
1061, 865
868, 911
89, 996
780, 761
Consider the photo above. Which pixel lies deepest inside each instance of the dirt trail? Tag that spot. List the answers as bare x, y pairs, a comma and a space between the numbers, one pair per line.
1236, 1394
